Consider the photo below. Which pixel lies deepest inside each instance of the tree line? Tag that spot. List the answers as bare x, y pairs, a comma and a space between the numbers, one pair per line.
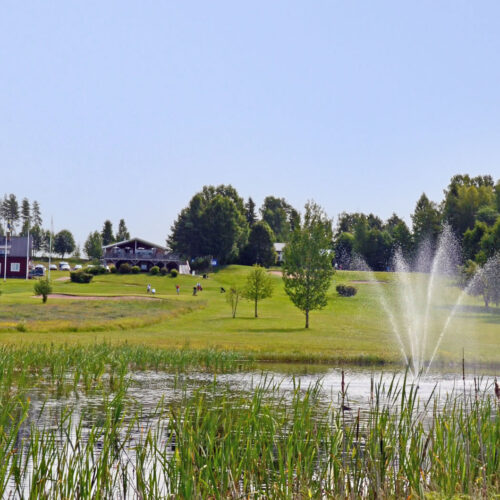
26, 217
218, 223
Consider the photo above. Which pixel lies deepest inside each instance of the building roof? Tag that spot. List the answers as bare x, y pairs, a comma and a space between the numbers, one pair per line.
133, 240
16, 245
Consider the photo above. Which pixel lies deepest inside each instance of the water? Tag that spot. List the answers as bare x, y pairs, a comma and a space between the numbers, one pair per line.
417, 305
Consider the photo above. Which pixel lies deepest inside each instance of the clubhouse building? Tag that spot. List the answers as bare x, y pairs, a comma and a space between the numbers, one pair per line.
142, 253
15, 253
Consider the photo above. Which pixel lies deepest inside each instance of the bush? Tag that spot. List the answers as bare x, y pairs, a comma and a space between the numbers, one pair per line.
174, 273
346, 290
112, 269
43, 288
80, 276
95, 270
125, 268
154, 270
135, 269
163, 271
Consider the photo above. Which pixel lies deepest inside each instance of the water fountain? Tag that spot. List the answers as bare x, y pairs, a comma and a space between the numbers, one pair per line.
412, 306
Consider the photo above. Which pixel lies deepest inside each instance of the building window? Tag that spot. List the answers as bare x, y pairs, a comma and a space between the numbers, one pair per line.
15, 267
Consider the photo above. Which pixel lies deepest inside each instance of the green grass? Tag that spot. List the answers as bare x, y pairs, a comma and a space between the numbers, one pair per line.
348, 330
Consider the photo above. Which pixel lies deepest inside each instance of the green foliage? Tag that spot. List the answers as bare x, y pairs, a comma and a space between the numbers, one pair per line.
125, 268
260, 248
307, 266
163, 271
259, 286
44, 288
112, 269
233, 296
9, 210
122, 234
346, 290
472, 240
64, 243
426, 221
483, 280
490, 241
95, 270
250, 212
135, 269
93, 245
155, 270
213, 223
343, 249
281, 217
107, 233
374, 245
464, 198
174, 273
80, 276
202, 264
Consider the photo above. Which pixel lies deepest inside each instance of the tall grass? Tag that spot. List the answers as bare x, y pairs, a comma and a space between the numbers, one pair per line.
267, 443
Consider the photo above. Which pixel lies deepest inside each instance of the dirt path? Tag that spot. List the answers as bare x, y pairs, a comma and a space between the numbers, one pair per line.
275, 273
98, 297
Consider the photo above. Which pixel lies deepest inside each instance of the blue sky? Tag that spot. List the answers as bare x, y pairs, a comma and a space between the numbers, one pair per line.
114, 110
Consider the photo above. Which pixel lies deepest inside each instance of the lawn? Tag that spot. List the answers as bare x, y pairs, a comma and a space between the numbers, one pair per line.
352, 329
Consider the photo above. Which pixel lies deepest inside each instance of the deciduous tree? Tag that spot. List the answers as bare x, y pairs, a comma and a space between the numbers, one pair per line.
64, 243
307, 265
259, 286
93, 245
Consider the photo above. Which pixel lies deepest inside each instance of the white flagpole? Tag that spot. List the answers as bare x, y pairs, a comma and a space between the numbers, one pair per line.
5, 255
28, 251
50, 243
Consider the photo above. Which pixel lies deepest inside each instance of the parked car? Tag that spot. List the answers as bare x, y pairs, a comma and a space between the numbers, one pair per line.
53, 267
36, 272
64, 267
77, 267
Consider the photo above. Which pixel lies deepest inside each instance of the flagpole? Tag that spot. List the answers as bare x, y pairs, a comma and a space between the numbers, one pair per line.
5, 255
50, 244
28, 251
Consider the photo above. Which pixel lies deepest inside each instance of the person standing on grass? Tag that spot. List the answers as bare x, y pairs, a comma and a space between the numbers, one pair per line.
148, 288
195, 290
177, 289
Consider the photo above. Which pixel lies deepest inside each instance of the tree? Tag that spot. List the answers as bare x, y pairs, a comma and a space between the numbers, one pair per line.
107, 233
307, 264
259, 286
426, 221
25, 216
64, 243
10, 211
37, 236
274, 211
484, 280
343, 249
260, 247
471, 244
250, 212
214, 223
233, 297
122, 234
36, 215
44, 288
93, 246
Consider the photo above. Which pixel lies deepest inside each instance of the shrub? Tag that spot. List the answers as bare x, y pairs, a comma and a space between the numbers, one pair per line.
80, 276
202, 264
174, 273
125, 268
346, 290
43, 288
135, 269
154, 270
163, 271
95, 270
112, 269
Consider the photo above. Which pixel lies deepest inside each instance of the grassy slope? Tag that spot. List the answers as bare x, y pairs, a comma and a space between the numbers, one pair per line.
349, 328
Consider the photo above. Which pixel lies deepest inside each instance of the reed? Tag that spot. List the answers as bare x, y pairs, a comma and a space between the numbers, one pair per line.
265, 443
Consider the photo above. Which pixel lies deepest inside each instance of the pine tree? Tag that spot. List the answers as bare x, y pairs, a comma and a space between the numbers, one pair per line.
250, 212
36, 215
122, 234
107, 233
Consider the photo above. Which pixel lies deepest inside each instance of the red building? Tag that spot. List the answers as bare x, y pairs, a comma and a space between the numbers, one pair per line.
18, 256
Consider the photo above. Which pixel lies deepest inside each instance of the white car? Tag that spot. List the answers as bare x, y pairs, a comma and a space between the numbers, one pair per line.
53, 267
64, 267
77, 267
